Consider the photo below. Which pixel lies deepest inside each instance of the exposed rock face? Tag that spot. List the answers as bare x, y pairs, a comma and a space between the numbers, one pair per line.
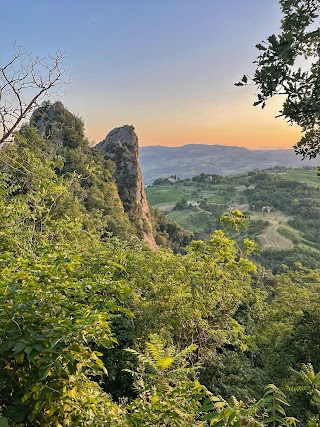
121, 146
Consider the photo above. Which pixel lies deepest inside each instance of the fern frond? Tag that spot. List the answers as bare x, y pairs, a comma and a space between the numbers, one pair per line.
154, 349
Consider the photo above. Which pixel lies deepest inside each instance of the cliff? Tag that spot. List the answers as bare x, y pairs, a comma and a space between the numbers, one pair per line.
121, 146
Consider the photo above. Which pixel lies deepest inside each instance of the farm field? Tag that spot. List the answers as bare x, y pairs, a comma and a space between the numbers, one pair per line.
158, 196
202, 220
270, 238
213, 199
191, 220
304, 175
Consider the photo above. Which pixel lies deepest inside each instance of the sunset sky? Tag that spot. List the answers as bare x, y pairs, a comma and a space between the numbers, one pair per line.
166, 66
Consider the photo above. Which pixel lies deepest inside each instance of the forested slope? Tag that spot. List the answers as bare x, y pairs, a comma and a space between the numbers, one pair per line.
97, 329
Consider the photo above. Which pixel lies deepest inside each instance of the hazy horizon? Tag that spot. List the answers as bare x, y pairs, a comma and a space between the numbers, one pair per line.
264, 148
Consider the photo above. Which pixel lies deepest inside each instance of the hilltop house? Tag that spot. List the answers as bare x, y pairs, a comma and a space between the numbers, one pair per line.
266, 208
193, 204
173, 178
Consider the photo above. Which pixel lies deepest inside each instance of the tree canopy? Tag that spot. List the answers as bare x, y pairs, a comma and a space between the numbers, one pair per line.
75, 298
289, 65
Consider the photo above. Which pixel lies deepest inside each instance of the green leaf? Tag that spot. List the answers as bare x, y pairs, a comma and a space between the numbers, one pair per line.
39, 347
273, 40
28, 350
4, 422
211, 416
219, 423
57, 366
43, 373
275, 418
19, 347
19, 357
232, 417
54, 342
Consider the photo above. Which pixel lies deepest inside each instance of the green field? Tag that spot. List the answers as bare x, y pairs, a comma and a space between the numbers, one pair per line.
198, 219
230, 194
191, 220
158, 196
306, 176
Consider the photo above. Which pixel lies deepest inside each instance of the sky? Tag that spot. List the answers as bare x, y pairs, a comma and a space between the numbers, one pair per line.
167, 67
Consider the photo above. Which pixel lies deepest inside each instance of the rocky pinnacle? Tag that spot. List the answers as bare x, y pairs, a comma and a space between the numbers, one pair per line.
121, 146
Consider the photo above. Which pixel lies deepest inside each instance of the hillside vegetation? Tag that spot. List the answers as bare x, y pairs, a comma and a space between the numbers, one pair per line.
97, 329
282, 204
114, 315
194, 159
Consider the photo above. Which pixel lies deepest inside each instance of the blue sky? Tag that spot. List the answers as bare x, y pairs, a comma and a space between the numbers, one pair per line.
167, 67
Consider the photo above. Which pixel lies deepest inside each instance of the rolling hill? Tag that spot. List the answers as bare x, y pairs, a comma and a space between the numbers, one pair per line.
189, 160
283, 206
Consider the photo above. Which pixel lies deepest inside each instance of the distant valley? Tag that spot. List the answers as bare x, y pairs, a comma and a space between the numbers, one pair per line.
283, 205
193, 159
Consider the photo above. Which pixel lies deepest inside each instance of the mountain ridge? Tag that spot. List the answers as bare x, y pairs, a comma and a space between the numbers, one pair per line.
191, 159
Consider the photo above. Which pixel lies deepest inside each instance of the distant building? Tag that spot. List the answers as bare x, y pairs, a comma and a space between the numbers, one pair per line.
173, 178
193, 204
266, 208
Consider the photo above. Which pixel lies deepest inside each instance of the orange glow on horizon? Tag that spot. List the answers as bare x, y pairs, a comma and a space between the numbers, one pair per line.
249, 135
235, 122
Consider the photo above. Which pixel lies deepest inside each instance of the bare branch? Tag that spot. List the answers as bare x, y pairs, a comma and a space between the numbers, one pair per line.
24, 82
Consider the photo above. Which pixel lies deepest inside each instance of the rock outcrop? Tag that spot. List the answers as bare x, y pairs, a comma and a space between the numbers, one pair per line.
121, 146
69, 148
121, 198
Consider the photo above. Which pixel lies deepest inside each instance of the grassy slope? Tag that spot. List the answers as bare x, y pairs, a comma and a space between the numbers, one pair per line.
158, 196
191, 220
305, 176
165, 197
271, 238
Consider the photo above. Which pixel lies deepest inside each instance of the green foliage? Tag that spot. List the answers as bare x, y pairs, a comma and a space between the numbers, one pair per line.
289, 234
301, 202
280, 261
234, 219
269, 410
181, 205
293, 202
205, 177
50, 326
67, 146
37, 205
309, 383
169, 394
161, 181
66, 286
74, 298
168, 233
288, 332
279, 70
